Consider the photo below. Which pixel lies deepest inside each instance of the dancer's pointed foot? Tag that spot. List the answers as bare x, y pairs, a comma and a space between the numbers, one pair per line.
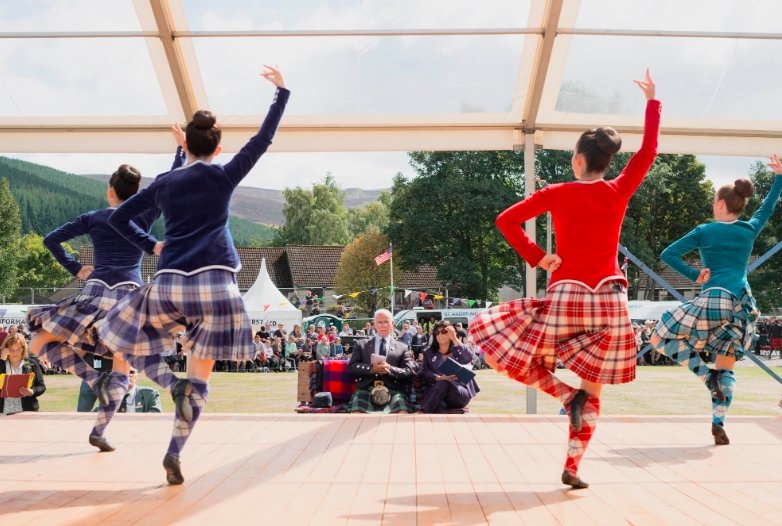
574, 408
173, 470
101, 443
719, 434
713, 384
181, 395
574, 481
101, 389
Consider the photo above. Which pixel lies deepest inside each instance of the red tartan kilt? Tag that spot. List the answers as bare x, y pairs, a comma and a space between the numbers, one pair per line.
776, 343
590, 332
337, 380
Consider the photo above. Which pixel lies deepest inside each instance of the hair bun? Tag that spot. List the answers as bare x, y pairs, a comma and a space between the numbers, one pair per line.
129, 174
608, 140
204, 120
743, 188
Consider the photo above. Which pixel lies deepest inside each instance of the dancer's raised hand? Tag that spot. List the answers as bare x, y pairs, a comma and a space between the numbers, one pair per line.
647, 85
179, 135
273, 75
775, 165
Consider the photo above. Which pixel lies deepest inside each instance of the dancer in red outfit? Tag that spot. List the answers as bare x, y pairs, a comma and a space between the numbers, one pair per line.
584, 319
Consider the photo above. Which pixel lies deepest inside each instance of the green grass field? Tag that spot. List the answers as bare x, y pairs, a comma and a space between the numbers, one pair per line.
656, 391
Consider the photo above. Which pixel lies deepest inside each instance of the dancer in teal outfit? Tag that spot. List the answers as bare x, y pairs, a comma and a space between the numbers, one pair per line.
721, 319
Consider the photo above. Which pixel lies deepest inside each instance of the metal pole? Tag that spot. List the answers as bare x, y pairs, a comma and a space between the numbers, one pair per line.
529, 227
391, 266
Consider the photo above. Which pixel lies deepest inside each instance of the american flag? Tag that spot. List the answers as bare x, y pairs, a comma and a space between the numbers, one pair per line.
382, 258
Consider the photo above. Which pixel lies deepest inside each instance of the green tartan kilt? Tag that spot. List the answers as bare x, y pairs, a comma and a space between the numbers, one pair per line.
360, 402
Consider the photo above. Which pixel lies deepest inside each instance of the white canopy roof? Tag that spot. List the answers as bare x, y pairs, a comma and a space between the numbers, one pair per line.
113, 75
264, 302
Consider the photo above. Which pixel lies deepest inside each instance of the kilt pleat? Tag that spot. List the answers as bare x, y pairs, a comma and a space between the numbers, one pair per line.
715, 321
73, 319
206, 306
590, 332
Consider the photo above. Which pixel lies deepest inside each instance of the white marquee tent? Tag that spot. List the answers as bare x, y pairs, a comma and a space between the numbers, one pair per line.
264, 302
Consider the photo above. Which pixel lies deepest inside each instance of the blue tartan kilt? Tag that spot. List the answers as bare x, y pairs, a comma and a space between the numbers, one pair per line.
361, 402
73, 319
206, 306
715, 321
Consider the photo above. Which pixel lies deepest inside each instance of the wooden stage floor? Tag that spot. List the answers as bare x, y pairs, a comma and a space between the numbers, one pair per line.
281, 469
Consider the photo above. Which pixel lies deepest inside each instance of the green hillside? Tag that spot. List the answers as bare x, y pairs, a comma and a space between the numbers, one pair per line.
48, 198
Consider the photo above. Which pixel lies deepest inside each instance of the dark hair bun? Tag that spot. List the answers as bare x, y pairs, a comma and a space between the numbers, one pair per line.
204, 120
129, 174
608, 140
743, 188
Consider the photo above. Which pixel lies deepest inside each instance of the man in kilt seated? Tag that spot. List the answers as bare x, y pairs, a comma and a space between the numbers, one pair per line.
382, 384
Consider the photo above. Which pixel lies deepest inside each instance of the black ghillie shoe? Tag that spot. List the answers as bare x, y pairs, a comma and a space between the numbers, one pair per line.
713, 384
101, 443
101, 389
181, 395
173, 471
573, 481
719, 434
574, 409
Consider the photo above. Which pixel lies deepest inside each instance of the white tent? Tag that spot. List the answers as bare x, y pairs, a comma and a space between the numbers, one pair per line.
650, 310
264, 302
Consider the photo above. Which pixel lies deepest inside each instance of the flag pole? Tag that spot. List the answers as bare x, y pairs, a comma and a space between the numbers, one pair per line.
391, 266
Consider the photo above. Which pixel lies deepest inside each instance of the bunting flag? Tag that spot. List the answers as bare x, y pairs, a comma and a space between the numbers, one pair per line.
489, 304
408, 292
354, 294
422, 295
471, 303
266, 306
438, 297
337, 296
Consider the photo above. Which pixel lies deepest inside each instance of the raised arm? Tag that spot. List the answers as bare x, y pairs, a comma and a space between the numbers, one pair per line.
639, 164
243, 161
179, 156
762, 215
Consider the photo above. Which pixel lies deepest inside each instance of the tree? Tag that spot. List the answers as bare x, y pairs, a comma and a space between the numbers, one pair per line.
314, 217
10, 228
766, 280
37, 268
445, 218
360, 219
357, 271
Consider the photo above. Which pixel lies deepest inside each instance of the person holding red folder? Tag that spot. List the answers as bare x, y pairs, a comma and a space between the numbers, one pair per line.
15, 361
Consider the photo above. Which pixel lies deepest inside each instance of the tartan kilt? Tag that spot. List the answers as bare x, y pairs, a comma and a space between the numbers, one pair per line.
337, 380
73, 318
590, 332
360, 401
715, 321
206, 306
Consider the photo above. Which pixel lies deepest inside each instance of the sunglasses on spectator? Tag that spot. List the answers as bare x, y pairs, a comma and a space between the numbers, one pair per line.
441, 331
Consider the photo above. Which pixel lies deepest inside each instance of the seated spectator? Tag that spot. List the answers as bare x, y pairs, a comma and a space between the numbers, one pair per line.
322, 347
139, 399
280, 332
271, 361
335, 348
14, 360
406, 336
307, 350
441, 392
292, 351
298, 337
381, 386
346, 330
418, 342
